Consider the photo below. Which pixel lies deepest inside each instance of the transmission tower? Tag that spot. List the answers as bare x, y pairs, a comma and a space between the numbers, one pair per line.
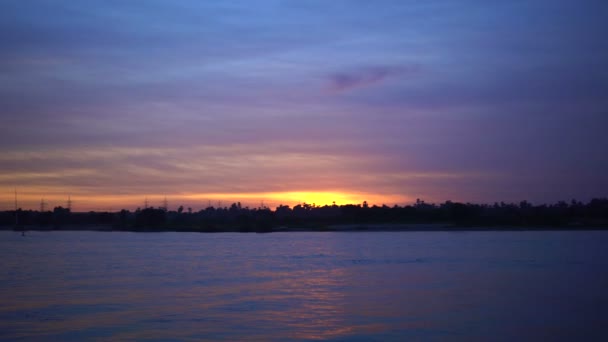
69, 203
16, 211
165, 204
42, 205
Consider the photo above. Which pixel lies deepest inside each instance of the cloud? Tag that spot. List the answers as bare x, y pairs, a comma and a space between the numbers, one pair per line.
119, 99
363, 77
232, 170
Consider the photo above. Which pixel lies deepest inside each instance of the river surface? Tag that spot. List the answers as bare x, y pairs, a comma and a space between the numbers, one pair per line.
359, 286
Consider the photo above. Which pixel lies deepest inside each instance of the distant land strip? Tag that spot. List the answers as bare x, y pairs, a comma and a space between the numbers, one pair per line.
420, 216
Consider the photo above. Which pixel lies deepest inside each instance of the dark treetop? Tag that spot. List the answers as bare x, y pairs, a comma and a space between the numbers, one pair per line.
421, 215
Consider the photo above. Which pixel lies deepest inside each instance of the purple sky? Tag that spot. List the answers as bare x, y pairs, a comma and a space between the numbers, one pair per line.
289, 101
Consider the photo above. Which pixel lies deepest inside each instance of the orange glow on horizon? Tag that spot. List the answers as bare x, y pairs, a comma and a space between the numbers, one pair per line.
319, 198
30, 198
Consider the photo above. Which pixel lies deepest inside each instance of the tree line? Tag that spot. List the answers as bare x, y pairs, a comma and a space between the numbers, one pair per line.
567, 215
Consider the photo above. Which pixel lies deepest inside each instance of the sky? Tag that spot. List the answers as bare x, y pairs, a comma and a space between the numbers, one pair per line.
285, 102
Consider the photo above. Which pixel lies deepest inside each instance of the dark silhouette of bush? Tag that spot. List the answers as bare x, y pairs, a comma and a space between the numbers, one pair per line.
150, 219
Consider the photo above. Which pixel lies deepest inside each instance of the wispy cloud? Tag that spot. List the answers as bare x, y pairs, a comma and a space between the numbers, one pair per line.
365, 77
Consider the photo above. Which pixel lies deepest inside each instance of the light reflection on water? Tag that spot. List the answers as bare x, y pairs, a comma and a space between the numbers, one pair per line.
304, 286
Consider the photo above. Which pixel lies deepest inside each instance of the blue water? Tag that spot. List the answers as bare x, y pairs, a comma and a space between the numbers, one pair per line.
363, 286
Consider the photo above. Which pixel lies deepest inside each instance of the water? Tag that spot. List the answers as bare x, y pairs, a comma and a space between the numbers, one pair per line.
365, 286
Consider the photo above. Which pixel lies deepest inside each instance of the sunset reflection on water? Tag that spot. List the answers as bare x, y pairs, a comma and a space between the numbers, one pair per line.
300, 286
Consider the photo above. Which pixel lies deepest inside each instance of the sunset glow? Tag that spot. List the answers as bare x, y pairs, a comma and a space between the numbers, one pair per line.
30, 199
289, 102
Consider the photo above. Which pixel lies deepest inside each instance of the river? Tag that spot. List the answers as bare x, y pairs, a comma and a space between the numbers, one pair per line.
361, 286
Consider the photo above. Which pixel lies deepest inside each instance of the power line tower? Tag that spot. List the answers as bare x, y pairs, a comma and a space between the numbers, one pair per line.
146, 203
16, 210
69, 203
42, 205
165, 204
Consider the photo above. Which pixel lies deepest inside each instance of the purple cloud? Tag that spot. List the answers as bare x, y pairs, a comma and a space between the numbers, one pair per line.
364, 77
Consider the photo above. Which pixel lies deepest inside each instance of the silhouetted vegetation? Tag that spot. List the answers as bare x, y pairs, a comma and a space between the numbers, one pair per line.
445, 216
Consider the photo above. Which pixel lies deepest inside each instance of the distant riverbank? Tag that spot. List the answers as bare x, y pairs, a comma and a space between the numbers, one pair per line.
420, 216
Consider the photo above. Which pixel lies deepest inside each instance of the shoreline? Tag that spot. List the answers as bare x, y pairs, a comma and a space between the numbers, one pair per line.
381, 227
